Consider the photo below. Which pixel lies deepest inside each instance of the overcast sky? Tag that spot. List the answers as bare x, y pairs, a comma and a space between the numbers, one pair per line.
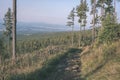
47, 11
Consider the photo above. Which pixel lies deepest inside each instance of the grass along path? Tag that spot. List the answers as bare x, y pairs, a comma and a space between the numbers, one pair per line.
64, 66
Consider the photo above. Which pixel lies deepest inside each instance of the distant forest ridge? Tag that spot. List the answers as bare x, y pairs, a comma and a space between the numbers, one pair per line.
39, 27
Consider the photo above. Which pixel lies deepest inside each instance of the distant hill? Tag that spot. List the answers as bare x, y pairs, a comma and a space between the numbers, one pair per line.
27, 28
40, 27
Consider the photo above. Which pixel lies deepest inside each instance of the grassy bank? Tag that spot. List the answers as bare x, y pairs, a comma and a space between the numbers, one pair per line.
26, 64
101, 62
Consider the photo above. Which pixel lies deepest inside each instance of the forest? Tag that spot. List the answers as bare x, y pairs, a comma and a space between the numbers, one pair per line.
86, 54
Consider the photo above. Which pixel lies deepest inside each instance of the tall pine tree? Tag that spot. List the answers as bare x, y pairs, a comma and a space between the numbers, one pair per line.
71, 23
81, 13
8, 28
14, 28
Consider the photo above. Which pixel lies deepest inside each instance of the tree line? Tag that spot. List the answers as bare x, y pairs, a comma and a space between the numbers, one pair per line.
104, 24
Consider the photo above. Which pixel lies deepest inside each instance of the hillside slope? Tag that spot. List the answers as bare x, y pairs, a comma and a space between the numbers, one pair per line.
98, 62
101, 62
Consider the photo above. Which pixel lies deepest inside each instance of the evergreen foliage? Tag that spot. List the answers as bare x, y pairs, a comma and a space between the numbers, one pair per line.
109, 30
8, 24
8, 28
81, 13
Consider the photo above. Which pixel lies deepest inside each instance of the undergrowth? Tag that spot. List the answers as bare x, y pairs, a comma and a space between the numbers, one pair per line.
26, 64
102, 62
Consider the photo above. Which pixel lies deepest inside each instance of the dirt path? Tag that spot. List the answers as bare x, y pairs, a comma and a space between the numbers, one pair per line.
68, 68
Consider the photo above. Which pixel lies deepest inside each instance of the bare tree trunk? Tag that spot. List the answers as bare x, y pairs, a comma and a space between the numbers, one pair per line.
115, 13
102, 10
80, 36
72, 35
8, 45
93, 31
0, 60
84, 34
102, 13
14, 28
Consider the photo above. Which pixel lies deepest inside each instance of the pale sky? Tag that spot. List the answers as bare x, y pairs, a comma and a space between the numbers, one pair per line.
46, 11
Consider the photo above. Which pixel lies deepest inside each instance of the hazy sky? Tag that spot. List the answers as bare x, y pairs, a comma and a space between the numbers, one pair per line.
48, 11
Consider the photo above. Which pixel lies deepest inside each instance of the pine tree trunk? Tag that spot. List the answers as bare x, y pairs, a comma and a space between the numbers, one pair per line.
80, 34
102, 13
84, 34
93, 31
14, 29
115, 13
9, 44
72, 34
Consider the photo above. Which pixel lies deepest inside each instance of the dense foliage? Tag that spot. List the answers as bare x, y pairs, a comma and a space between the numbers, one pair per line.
109, 30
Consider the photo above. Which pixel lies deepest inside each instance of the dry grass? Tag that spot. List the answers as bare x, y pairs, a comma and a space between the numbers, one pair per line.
27, 63
101, 63
97, 63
